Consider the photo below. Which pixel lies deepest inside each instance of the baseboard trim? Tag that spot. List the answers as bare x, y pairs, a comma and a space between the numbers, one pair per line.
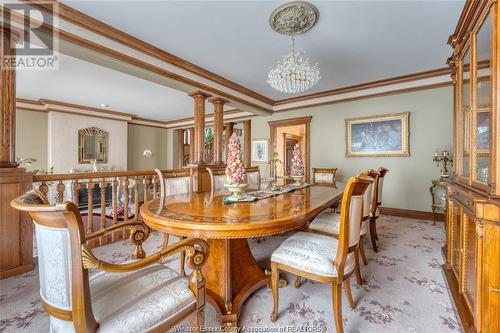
458, 301
413, 214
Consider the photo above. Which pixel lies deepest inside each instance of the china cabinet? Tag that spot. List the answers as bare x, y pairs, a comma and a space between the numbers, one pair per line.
472, 250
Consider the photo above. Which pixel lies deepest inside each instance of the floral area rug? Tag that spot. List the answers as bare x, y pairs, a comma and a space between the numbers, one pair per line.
404, 289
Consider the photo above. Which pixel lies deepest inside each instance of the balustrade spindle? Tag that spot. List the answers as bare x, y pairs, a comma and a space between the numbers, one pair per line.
145, 184
103, 185
60, 192
75, 192
44, 188
114, 200
125, 204
90, 207
136, 198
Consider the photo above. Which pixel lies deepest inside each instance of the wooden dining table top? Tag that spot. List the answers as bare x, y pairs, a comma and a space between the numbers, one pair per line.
199, 215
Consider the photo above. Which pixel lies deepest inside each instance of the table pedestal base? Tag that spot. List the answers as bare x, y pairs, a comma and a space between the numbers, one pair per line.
231, 274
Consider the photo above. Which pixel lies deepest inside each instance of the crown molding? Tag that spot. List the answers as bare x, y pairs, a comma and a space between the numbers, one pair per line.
369, 85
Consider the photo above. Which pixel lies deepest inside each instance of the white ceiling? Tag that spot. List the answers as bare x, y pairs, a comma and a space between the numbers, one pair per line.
353, 41
84, 83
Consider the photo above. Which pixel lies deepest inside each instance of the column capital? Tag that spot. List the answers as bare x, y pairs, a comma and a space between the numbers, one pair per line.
217, 100
198, 94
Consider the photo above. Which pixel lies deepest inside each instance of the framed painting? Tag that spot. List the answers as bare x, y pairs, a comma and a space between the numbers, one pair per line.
259, 150
385, 135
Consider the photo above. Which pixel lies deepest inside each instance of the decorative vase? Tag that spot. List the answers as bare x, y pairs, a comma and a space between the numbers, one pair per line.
298, 180
236, 190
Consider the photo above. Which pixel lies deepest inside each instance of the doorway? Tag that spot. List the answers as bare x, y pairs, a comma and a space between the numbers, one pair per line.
285, 134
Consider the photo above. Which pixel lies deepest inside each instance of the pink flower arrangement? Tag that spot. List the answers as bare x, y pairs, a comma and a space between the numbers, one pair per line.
235, 170
297, 168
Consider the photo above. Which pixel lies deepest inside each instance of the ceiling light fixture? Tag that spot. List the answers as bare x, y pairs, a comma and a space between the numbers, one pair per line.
104, 105
294, 73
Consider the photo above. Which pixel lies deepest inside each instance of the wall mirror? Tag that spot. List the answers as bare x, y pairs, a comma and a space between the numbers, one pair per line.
92, 145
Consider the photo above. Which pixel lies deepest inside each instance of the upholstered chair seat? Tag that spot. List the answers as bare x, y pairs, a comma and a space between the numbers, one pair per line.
135, 301
311, 253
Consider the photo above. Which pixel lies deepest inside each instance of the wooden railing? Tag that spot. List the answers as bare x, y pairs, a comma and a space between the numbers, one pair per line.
129, 189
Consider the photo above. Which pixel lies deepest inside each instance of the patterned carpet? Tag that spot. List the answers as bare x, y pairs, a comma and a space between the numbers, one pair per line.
404, 290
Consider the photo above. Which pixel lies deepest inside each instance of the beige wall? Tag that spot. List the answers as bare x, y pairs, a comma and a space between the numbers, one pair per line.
63, 141
408, 181
31, 138
141, 138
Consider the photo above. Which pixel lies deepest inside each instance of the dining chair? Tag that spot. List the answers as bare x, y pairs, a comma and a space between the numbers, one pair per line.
324, 258
379, 176
174, 182
137, 296
328, 223
217, 180
253, 178
324, 176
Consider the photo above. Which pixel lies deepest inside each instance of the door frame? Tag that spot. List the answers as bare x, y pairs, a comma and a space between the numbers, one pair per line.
275, 124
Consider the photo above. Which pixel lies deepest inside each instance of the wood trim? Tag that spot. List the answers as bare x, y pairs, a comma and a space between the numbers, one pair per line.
369, 85
458, 301
356, 98
89, 23
273, 125
44, 105
412, 214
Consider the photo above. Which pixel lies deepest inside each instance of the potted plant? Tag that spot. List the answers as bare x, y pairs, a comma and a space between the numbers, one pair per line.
236, 178
297, 168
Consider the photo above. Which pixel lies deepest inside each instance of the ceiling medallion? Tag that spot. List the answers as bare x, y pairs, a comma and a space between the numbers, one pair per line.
294, 73
294, 17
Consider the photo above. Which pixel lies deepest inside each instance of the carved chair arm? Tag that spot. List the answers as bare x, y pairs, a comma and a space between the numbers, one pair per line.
137, 236
197, 252
129, 225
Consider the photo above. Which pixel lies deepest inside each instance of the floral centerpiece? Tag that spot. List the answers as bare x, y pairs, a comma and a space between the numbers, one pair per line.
297, 168
236, 177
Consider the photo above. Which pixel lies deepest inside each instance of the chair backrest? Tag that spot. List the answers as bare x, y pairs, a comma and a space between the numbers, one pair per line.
174, 182
382, 172
367, 201
350, 218
324, 176
64, 283
217, 180
253, 178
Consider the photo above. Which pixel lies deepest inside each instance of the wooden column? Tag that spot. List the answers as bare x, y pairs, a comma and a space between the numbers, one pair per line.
199, 125
247, 142
180, 148
229, 129
16, 229
191, 145
7, 101
218, 127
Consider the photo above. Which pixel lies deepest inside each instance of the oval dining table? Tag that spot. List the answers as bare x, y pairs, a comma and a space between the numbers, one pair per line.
231, 272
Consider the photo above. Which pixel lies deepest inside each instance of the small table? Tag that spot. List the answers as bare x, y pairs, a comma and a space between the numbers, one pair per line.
438, 194
231, 272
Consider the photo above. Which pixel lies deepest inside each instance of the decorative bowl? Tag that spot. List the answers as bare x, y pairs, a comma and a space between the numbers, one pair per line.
298, 180
236, 190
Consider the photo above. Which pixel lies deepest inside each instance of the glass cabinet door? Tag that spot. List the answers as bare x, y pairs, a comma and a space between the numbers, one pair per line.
482, 109
466, 114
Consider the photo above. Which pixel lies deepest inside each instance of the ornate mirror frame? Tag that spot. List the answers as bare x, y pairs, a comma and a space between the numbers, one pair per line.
103, 148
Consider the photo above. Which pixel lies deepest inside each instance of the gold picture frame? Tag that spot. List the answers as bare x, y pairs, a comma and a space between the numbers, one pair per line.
378, 136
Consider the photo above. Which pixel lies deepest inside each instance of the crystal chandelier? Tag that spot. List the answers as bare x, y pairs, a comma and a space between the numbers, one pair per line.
293, 74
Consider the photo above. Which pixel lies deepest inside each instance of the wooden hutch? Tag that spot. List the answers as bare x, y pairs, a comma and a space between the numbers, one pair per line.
472, 249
